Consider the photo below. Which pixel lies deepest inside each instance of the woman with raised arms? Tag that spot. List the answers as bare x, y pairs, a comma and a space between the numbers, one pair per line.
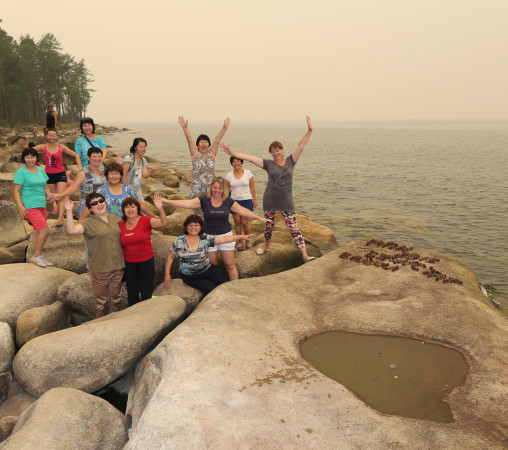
278, 194
216, 208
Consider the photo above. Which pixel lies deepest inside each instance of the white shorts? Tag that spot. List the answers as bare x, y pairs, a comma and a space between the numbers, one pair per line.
228, 246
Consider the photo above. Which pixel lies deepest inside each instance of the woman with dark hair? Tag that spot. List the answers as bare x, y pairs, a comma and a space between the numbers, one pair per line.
89, 179
84, 143
216, 208
30, 192
136, 241
243, 191
134, 166
279, 190
105, 257
202, 156
114, 192
196, 269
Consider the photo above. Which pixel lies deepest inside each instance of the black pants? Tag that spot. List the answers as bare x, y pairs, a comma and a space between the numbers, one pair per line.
205, 281
139, 279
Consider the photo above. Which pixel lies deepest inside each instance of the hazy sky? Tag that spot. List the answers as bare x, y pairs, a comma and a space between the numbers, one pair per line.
282, 59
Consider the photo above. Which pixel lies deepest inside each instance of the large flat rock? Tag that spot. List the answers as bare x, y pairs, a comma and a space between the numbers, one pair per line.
231, 376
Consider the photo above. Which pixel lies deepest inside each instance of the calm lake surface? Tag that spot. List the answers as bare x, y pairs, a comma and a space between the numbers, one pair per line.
442, 186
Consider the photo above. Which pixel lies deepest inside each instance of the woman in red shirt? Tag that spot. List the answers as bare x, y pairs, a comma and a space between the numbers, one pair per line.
135, 237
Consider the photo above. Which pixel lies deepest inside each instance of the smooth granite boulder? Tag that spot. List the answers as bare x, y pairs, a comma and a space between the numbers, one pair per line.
12, 230
177, 287
7, 347
96, 353
6, 183
66, 418
29, 286
5, 384
172, 181
232, 376
13, 254
41, 320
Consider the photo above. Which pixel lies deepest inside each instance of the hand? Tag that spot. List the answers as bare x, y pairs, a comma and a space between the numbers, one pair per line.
21, 142
255, 202
155, 166
227, 122
309, 123
225, 148
246, 237
119, 158
68, 204
167, 280
184, 123
22, 212
264, 219
157, 201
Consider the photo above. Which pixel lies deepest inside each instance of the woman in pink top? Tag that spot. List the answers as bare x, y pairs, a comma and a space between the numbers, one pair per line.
53, 160
135, 237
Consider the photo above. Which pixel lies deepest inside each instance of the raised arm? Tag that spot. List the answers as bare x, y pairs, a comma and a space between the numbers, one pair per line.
148, 173
299, 148
192, 147
233, 238
70, 226
192, 203
253, 159
237, 209
215, 145
163, 221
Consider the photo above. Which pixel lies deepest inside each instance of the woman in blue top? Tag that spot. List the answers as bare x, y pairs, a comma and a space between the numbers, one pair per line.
30, 192
115, 193
84, 143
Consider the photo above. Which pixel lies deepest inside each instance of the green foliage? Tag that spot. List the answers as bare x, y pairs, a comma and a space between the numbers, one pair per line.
34, 75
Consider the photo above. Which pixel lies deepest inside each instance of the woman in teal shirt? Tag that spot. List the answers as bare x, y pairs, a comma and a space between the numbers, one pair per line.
30, 192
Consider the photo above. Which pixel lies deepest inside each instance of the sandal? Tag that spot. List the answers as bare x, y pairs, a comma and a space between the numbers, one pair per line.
240, 248
262, 250
248, 247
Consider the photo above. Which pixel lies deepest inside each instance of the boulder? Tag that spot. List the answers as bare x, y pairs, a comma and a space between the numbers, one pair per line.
7, 424
177, 287
29, 286
70, 419
175, 222
179, 173
187, 178
232, 376
17, 401
162, 173
94, 354
13, 254
63, 250
161, 246
7, 347
171, 181
147, 189
6, 183
11, 167
12, 230
41, 320
76, 293
168, 191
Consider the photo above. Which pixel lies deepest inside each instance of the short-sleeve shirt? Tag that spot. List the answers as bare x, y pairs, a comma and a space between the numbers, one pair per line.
278, 194
91, 183
114, 202
32, 187
135, 173
82, 145
53, 161
193, 262
103, 241
216, 219
240, 187
137, 243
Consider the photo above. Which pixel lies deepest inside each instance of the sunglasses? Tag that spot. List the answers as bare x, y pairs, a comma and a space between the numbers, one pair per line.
97, 202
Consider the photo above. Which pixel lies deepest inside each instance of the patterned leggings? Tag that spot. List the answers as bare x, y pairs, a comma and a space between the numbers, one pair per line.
292, 226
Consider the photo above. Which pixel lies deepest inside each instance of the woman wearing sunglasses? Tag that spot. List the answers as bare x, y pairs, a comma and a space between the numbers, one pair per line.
105, 255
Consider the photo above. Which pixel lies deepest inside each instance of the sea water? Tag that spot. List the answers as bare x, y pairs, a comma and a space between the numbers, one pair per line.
441, 186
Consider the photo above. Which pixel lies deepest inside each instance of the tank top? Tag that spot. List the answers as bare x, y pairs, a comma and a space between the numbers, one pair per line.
53, 161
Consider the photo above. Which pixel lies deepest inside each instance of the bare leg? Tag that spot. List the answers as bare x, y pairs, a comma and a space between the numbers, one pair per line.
40, 237
246, 229
60, 187
228, 258
238, 226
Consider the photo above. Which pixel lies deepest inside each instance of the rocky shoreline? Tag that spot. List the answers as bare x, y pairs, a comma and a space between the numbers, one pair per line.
225, 371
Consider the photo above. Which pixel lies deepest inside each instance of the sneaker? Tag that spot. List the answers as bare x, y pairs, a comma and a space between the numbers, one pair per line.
310, 258
45, 261
37, 260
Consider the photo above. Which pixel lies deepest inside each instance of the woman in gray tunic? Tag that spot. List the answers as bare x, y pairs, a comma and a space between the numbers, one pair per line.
279, 190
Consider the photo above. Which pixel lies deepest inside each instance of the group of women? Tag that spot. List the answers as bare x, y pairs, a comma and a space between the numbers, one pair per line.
118, 236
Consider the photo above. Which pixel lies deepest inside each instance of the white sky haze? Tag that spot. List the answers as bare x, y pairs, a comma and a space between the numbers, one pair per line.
282, 60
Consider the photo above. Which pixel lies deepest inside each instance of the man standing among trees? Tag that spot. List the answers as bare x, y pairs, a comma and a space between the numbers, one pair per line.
51, 119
